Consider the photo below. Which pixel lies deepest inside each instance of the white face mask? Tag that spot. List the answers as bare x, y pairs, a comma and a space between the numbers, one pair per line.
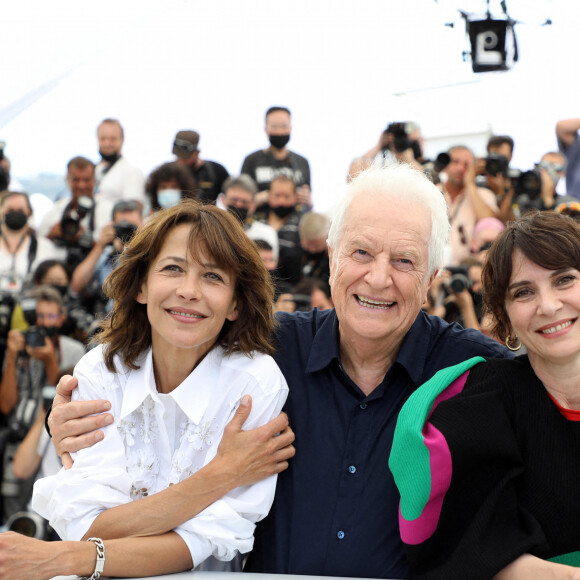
168, 197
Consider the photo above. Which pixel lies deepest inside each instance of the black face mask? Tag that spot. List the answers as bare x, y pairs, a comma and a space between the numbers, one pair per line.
314, 256
282, 211
240, 212
279, 141
15, 220
111, 158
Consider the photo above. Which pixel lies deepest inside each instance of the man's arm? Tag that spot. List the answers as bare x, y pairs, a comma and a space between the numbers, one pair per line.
243, 458
482, 210
567, 130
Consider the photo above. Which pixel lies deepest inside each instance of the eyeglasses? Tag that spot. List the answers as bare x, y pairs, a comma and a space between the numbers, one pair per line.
51, 317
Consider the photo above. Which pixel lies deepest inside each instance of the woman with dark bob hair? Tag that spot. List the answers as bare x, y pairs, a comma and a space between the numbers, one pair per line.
187, 341
486, 453
168, 184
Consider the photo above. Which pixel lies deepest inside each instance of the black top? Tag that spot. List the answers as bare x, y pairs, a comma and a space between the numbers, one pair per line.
514, 472
209, 180
262, 167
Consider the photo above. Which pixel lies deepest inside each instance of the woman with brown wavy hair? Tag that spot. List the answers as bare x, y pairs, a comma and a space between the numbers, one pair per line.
187, 340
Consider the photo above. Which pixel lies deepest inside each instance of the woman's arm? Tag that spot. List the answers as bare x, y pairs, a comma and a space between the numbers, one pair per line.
528, 567
243, 458
22, 558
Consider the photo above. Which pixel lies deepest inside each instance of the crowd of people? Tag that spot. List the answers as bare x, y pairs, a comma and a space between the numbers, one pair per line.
140, 271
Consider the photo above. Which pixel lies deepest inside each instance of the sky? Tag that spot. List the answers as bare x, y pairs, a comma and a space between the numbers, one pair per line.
344, 68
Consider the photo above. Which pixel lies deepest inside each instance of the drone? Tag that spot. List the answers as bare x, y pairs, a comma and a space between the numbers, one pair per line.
493, 41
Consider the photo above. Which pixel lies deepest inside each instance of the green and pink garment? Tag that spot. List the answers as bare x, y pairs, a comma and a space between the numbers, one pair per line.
477, 470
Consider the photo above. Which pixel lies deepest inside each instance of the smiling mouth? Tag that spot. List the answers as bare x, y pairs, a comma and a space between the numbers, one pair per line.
185, 314
556, 328
373, 303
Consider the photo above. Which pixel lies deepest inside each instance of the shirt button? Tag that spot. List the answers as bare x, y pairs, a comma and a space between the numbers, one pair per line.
363, 406
352, 469
340, 535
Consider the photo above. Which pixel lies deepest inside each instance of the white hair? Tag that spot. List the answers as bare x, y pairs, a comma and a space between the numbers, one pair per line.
403, 182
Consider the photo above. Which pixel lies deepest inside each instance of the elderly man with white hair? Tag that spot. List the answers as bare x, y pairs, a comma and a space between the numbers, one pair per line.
349, 371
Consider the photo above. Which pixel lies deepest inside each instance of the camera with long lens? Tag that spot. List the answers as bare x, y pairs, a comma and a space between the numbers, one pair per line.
458, 281
70, 223
28, 524
124, 230
496, 164
527, 188
401, 141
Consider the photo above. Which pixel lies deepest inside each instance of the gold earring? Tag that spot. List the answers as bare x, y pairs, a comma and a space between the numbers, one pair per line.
512, 347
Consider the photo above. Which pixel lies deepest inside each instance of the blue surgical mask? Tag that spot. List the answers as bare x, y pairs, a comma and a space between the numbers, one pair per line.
168, 197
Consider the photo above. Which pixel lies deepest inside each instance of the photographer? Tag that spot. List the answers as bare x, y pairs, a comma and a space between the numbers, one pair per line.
467, 203
536, 189
308, 294
34, 359
313, 229
21, 249
101, 259
401, 141
494, 173
455, 294
75, 222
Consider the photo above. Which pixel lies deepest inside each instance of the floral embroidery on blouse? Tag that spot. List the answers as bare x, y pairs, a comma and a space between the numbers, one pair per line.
140, 432
199, 435
148, 434
127, 430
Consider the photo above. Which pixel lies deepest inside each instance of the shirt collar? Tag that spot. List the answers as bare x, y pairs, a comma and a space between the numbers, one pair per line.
413, 352
325, 346
192, 395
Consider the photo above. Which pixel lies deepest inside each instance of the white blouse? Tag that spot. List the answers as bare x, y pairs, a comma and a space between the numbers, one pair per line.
157, 440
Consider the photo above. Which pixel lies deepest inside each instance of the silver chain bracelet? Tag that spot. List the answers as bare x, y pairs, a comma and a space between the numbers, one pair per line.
100, 560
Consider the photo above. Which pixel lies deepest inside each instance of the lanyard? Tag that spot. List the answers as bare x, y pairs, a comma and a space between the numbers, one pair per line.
13, 253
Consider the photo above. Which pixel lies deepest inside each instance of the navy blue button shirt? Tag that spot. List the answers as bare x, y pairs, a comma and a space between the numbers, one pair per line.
328, 518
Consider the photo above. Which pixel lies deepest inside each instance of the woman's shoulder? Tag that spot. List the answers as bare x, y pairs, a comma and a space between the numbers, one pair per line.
261, 367
500, 375
254, 362
92, 369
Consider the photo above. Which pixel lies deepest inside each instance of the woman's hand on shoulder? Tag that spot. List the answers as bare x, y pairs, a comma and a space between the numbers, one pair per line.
253, 455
